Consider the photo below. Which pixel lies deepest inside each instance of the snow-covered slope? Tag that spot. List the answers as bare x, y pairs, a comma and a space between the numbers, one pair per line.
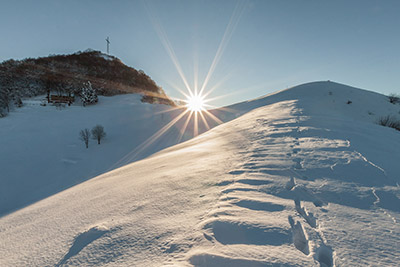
41, 153
322, 98
305, 179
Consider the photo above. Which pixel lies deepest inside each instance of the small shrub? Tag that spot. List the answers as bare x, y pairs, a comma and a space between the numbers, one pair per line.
389, 121
349, 102
3, 113
394, 99
88, 94
98, 133
18, 102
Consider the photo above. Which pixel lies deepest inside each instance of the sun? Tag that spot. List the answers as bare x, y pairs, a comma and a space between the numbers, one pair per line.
195, 103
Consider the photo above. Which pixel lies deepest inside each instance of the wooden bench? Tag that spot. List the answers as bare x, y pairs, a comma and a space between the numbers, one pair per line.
62, 99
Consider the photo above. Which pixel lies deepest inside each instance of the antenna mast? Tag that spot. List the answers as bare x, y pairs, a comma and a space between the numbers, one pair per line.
108, 45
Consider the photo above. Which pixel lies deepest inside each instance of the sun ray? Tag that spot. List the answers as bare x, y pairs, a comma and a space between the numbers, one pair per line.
167, 44
216, 98
179, 89
134, 153
196, 73
206, 106
212, 116
168, 110
183, 130
217, 85
160, 132
196, 97
230, 110
204, 121
196, 124
233, 22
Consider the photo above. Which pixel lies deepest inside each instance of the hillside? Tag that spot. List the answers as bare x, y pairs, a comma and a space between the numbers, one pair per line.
322, 98
65, 74
42, 154
303, 178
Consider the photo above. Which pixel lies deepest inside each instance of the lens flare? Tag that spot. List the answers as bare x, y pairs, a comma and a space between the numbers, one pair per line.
195, 103
195, 111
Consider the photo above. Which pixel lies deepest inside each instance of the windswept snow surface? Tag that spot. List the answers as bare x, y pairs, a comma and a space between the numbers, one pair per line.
306, 180
41, 153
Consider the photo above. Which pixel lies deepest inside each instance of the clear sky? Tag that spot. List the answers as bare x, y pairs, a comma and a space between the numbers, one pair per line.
261, 46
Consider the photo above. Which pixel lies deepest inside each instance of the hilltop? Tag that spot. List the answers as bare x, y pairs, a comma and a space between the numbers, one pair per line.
66, 74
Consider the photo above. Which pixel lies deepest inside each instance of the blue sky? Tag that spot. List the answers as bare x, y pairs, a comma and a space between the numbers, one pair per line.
268, 45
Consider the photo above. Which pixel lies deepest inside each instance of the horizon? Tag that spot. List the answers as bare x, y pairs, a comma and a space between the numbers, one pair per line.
274, 139
246, 49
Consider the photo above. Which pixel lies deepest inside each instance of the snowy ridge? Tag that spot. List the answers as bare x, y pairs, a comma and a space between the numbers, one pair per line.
305, 180
323, 98
285, 147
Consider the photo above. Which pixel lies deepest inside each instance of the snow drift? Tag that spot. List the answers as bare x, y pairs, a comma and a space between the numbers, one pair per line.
303, 178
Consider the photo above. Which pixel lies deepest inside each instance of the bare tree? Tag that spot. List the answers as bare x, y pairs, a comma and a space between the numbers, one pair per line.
98, 133
84, 135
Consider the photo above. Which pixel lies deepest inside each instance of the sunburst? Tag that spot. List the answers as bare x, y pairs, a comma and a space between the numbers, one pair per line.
195, 105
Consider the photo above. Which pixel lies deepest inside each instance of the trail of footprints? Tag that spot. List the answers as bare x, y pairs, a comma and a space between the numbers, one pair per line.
229, 232
323, 253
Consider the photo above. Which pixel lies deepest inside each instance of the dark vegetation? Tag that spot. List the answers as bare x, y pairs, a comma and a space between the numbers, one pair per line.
390, 121
66, 74
394, 99
88, 94
98, 133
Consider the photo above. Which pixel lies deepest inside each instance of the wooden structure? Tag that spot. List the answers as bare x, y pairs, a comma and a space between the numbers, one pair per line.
62, 99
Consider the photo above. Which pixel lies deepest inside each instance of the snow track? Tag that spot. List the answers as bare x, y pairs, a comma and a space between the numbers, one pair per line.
287, 158
300, 180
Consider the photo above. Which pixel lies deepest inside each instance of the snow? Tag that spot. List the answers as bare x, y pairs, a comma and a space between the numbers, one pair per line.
106, 57
301, 178
43, 142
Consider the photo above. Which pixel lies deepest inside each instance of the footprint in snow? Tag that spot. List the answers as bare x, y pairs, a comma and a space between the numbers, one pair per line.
324, 255
81, 241
229, 232
229, 190
299, 237
308, 216
224, 183
259, 205
236, 172
290, 184
253, 181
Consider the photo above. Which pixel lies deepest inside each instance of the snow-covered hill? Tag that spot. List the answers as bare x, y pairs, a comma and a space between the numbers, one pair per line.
41, 153
66, 74
301, 179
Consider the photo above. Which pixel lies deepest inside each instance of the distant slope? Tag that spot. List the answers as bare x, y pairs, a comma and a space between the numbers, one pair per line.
324, 97
306, 180
65, 74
